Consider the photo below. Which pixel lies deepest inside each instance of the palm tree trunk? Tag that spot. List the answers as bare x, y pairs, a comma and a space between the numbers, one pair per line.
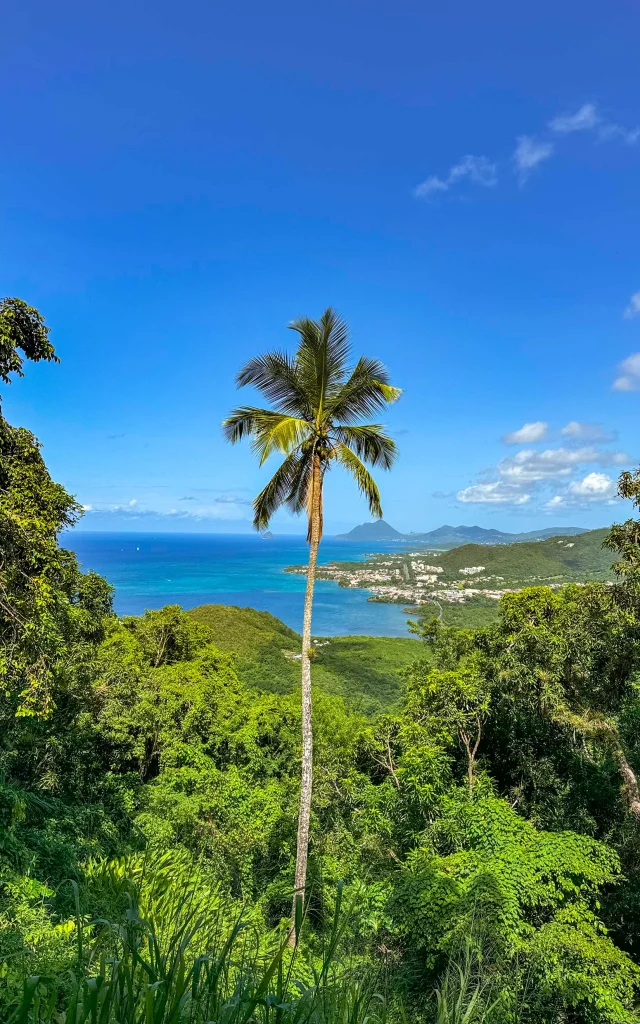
306, 777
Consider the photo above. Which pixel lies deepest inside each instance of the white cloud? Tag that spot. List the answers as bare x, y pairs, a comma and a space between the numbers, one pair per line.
594, 487
629, 379
584, 120
517, 478
494, 493
530, 466
528, 433
530, 152
556, 502
618, 131
476, 169
589, 119
587, 432
223, 506
634, 306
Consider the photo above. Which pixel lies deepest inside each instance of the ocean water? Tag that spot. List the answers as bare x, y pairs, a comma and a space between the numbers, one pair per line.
151, 570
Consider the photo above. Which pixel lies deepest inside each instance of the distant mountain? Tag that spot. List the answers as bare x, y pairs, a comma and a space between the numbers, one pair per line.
455, 536
379, 530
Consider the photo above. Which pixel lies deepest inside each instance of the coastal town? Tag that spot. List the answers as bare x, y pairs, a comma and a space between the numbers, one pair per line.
408, 578
469, 572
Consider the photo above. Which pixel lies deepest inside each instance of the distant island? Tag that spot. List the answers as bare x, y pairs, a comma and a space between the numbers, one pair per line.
453, 536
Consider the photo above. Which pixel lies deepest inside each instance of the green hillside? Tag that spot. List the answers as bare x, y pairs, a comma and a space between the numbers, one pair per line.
557, 560
363, 670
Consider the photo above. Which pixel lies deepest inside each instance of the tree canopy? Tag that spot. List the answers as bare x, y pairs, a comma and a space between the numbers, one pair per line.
318, 402
23, 334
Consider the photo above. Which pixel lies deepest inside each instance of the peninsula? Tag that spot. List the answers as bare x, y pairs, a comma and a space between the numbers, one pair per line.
472, 572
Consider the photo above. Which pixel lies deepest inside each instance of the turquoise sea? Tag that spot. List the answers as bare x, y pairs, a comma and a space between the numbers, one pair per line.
151, 570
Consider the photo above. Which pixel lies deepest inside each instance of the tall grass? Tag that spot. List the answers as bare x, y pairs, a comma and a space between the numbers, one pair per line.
176, 955
466, 992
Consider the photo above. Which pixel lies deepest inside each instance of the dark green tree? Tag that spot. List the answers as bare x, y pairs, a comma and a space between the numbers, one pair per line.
44, 599
624, 540
23, 334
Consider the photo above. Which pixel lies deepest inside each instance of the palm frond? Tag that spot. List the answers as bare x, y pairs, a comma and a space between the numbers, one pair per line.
277, 492
317, 405
369, 441
241, 422
277, 376
362, 476
322, 355
270, 431
283, 436
298, 498
365, 392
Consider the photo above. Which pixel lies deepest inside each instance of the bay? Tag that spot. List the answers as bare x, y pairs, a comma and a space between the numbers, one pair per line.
151, 570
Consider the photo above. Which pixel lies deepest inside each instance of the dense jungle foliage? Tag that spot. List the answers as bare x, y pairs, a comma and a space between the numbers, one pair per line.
475, 848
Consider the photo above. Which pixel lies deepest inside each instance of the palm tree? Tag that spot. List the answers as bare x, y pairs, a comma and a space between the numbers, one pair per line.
317, 405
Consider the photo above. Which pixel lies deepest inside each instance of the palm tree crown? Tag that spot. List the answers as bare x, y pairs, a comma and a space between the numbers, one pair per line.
317, 403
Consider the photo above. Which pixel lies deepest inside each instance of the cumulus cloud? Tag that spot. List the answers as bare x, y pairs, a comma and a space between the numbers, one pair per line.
528, 433
493, 493
530, 466
476, 169
629, 377
528, 153
530, 472
634, 306
576, 431
556, 502
588, 119
594, 488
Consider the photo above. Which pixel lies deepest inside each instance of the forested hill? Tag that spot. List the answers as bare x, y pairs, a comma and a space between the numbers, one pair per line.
365, 671
557, 560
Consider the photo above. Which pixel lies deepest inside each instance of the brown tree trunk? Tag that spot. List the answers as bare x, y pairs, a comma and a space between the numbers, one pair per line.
629, 784
306, 776
629, 780
471, 753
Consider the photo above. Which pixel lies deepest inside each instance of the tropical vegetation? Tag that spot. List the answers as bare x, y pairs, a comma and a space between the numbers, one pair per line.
474, 844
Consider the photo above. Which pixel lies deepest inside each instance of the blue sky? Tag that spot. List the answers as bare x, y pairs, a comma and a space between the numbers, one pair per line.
460, 181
